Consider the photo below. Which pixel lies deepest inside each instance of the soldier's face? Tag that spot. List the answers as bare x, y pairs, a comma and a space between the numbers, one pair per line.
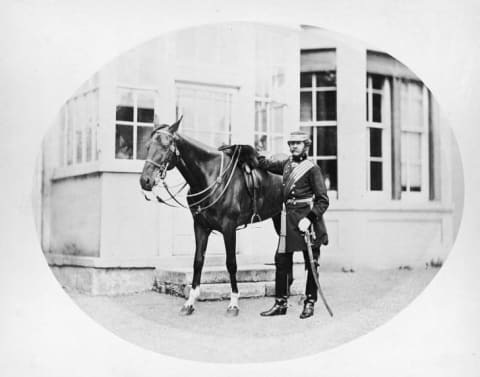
296, 147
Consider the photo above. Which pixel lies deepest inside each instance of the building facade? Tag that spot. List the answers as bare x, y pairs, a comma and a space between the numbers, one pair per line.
389, 161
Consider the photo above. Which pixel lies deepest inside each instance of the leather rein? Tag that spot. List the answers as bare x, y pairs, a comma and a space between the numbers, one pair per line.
208, 191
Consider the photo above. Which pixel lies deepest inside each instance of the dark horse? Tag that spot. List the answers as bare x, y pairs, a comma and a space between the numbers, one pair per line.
218, 197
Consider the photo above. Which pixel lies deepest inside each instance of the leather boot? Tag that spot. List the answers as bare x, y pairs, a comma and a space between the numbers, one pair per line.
279, 308
308, 309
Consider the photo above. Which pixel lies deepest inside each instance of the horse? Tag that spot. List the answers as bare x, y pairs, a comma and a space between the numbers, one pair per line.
218, 197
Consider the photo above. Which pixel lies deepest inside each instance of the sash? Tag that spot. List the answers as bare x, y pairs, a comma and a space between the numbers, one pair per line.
297, 173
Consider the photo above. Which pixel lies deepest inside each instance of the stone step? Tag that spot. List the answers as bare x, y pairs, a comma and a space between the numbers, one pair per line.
215, 275
253, 281
209, 292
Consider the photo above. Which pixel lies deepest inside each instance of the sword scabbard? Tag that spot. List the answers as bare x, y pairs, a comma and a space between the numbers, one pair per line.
314, 272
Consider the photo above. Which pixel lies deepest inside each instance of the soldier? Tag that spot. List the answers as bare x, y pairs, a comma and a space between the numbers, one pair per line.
305, 201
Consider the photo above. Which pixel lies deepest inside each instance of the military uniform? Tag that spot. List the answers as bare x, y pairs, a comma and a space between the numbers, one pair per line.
310, 186
304, 196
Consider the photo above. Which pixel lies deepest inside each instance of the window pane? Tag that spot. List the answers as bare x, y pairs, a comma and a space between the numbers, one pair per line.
260, 117
329, 172
220, 139
70, 125
414, 147
305, 106
326, 105
305, 80
277, 144
145, 115
366, 107
377, 107
62, 133
124, 106
203, 107
79, 144
186, 107
377, 82
125, 113
207, 114
260, 143
376, 177
220, 118
415, 177
326, 78
143, 135
88, 135
327, 141
375, 142
124, 142
277, 119
415, 118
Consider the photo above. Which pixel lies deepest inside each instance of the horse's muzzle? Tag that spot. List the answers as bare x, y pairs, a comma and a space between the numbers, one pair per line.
146, 183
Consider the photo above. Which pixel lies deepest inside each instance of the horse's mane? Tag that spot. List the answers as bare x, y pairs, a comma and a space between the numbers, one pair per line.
248, 154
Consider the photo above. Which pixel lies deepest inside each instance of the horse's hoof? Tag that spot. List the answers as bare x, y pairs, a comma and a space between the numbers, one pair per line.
187, 310
233, 311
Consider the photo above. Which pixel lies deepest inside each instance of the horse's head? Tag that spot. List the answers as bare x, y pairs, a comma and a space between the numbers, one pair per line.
161, 154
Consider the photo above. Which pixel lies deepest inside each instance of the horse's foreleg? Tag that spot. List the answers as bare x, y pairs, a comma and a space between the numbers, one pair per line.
201, 239
229, 237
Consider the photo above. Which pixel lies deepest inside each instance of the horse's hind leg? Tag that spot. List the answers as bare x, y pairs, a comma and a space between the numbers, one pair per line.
201, 239
229, 237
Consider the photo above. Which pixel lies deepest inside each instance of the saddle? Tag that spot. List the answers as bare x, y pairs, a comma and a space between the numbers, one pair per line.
248, 163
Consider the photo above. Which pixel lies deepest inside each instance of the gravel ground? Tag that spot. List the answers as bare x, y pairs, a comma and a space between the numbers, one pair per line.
360, 301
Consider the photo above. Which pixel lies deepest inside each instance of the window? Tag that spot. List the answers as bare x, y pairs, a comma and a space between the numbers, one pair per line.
133, 122
414, 137
269, 126
270, 90
78, 133
404, 102
207, 113
378, 133
318, 117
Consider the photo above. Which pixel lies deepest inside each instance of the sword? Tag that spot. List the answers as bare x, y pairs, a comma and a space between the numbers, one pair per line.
314, 271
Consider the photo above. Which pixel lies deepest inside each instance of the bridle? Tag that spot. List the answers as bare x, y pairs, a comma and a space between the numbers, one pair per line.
208, 191
172, 151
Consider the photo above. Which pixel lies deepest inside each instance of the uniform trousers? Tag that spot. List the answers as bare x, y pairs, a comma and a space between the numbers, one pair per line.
284, 277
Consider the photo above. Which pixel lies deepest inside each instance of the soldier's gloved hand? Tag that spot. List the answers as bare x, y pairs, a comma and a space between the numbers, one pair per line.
303, 224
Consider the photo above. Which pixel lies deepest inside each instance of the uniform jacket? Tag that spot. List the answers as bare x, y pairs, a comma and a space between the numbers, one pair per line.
310, 185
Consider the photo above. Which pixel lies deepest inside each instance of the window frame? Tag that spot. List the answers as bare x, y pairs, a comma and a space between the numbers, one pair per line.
424, 193
269, 104
72, 123
230, 92
135, 124
315, 124
386, 127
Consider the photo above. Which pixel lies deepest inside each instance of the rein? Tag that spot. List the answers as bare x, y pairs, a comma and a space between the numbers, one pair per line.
162, 175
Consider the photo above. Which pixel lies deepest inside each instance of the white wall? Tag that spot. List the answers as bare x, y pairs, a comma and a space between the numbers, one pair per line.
106, 215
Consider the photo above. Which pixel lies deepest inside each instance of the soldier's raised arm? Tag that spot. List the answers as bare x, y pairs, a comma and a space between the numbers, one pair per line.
273, 166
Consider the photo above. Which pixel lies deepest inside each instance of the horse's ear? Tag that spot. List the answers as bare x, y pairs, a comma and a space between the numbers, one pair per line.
174, 127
